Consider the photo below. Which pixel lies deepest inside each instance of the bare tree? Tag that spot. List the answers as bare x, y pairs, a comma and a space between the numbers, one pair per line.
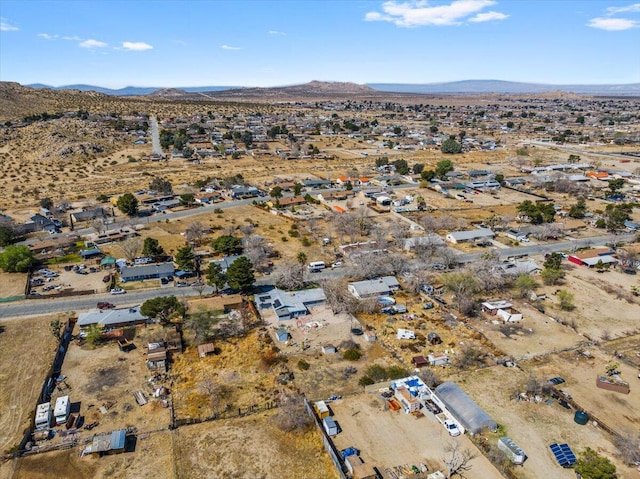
457, 460
194, 233
216, 393
287, 276
257, 250
399, 232
247, 229
98, 225
429, 377
131, 247
628, 446
293, 413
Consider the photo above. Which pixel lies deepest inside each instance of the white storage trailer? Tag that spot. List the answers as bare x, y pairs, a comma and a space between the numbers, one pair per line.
43, 416
512, 450
330, 426
62, 409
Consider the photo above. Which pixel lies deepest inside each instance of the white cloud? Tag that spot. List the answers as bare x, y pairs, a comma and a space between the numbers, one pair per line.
136, 46
629, 8
275, 32
227, 47
613, 24
91, 43
5, 26
419, 13
488, 17
73, 38
47, 36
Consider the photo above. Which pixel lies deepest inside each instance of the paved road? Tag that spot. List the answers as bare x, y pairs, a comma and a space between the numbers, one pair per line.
155, 136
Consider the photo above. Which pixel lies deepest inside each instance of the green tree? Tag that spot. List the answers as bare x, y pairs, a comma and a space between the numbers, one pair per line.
443, 167
16, 259
215, 276
240, 274
227, 244
94, 334
591, 465
186, 259
6, 235
418, 168
187, 199
246, 138
574, 158
500, 178
160, 185
616, 185
553, 261
46, 203
566, 300
201, 323
616, 215
297, 189
152, 248
450, 146
579, 209
525, 283
427, 175
552, 276
276, 193
128, 204
382, 161
163, 308
55, 326
402, 167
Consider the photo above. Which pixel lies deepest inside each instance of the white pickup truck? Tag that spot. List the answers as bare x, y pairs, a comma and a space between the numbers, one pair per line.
451, 427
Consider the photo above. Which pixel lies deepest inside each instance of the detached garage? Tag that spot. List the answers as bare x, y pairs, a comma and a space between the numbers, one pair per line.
464, 409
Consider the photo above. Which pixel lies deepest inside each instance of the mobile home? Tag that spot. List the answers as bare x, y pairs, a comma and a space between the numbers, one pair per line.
43, 416
62, 409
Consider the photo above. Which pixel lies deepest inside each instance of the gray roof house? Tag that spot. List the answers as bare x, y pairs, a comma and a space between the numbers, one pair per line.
470, 235
374, 287
291, 304
147, 271
111, 318
226, 261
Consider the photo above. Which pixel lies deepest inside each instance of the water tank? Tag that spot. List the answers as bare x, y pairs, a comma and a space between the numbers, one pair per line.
581, 418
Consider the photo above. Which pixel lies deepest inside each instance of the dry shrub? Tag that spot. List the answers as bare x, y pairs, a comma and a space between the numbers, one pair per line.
292, 414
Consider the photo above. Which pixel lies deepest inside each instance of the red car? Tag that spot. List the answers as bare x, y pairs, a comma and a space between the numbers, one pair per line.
104, 305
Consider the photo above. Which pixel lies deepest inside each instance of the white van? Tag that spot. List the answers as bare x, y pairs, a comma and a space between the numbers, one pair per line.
316, 266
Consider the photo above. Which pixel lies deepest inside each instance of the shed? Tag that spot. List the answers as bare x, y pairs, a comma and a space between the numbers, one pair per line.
157, 356
419, 361
433, 339
89, 253
329, 349
512, 450
438, 359
464, 409
321, 409
108, 261
109, 442
330, 426
205, 349
282, 335
405, 334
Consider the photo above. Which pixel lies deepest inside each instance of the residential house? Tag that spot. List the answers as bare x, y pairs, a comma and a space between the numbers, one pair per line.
237, 192
208, 197
291, 304
111, 318
287, 202
470, 235
592, 257
90, 214
355, 250
409, 402
502, 309
226, 261
374, 287
147, 271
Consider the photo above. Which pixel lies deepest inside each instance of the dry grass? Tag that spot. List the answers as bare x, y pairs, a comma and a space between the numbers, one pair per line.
212, 450
26, 351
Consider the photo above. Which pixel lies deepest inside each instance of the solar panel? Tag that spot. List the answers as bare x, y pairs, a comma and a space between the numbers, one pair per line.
563, 454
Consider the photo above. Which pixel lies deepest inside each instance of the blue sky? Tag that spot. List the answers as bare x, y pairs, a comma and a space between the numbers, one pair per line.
268, 43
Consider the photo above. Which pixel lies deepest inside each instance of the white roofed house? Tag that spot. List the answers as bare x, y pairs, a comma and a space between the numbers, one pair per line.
470, 235
383, 286
111, 318
502, 309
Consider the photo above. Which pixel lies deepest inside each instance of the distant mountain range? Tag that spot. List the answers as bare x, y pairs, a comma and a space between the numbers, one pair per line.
499, 86
345, 88
130, 90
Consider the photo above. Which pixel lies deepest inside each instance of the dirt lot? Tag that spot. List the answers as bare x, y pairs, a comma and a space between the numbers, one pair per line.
20, 384
12, 284
152, 458
213, 450
387, 438
107, 377
535, 334
534, 426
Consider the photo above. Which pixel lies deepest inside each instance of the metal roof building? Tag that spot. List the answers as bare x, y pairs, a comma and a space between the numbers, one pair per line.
464, 409
147, 271
374, 287
111, 317
113, 441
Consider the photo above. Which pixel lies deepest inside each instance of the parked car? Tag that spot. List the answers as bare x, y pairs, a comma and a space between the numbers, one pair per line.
105, 305
451, 428
106, 278
557, 380
182, 284
117, 291
428, 305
